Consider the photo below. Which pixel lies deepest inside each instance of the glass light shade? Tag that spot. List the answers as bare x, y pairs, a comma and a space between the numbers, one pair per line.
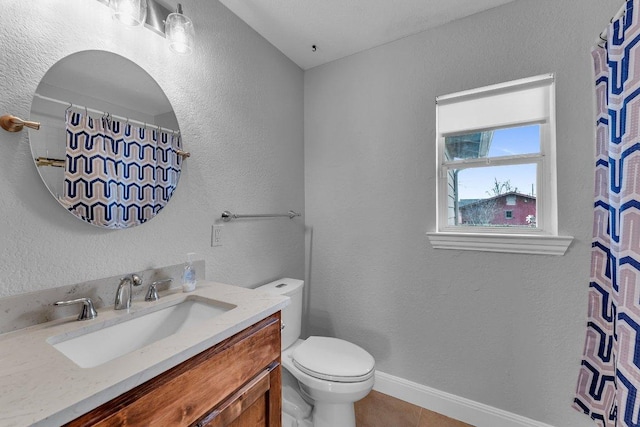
131, 13
180, 33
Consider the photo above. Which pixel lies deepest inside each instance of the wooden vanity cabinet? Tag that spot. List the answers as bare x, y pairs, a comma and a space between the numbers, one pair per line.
236, 383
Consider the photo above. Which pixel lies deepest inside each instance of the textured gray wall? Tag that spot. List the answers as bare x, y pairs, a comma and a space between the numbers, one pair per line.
239, 103
503, 329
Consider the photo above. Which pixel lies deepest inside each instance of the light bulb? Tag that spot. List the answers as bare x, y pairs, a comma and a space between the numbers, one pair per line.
179, 32
131, 13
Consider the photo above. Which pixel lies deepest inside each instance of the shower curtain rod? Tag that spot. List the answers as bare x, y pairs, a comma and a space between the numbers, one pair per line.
91, 110
602, 37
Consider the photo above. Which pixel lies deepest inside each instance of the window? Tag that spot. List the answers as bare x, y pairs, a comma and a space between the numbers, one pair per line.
497, 169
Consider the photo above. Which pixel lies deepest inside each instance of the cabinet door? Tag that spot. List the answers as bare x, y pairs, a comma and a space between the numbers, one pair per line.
256, 404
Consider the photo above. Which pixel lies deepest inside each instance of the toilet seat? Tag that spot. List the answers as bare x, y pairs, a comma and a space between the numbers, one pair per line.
333, 359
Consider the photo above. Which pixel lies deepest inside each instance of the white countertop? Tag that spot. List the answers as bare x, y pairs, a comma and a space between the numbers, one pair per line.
40, 386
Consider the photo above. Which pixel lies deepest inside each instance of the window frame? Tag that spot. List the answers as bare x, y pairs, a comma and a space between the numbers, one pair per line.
502, 239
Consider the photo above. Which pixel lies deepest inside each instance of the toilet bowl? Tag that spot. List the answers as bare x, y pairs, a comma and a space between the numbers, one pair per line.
331, 373
332, 396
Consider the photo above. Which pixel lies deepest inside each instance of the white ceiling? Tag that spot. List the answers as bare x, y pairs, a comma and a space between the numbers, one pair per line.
343, 27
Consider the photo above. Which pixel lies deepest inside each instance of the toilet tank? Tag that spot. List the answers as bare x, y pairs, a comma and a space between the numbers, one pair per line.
291, 314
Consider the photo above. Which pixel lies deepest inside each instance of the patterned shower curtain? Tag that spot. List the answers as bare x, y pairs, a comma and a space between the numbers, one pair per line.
609, 377
118, 175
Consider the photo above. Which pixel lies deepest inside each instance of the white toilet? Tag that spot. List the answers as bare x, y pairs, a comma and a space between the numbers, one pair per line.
322, 376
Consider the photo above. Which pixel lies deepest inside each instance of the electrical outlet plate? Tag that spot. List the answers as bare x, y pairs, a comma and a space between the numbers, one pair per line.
216, 236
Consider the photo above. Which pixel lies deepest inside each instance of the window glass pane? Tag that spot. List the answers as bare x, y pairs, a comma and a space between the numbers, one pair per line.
496, 143
500, 196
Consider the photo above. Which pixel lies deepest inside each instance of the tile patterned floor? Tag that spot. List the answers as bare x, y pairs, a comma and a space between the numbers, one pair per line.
380, 410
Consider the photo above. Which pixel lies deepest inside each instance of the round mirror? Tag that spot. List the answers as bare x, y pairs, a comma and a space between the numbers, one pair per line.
109, 147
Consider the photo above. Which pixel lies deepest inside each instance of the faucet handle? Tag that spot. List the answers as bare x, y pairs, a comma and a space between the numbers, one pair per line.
88, 311
152, 293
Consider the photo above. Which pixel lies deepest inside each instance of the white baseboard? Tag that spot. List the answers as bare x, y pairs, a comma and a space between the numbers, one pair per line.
450, 405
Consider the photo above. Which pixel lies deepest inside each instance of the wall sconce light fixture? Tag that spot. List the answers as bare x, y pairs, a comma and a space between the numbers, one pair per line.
176, 27
131, 13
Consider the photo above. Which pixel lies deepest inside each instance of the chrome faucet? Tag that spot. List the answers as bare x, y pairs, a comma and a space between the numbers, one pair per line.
125, 290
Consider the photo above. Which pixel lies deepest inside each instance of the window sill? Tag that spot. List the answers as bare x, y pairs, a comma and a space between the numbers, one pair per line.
509, 243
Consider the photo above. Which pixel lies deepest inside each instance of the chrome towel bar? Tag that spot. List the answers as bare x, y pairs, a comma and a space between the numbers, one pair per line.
228, 216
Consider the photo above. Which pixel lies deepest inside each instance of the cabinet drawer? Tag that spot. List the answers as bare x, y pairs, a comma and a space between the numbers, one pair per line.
183, 394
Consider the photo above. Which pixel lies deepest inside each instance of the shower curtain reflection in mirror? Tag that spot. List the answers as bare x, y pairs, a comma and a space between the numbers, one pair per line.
117, 175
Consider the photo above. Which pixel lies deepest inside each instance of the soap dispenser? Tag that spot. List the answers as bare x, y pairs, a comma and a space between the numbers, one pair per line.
189, 274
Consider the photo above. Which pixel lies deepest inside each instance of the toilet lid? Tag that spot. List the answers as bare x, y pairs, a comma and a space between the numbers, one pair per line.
333, 359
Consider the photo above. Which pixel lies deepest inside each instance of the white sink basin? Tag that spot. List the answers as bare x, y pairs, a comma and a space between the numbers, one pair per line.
104, 342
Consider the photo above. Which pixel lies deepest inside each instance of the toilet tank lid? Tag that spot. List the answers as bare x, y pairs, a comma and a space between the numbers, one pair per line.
283, 286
